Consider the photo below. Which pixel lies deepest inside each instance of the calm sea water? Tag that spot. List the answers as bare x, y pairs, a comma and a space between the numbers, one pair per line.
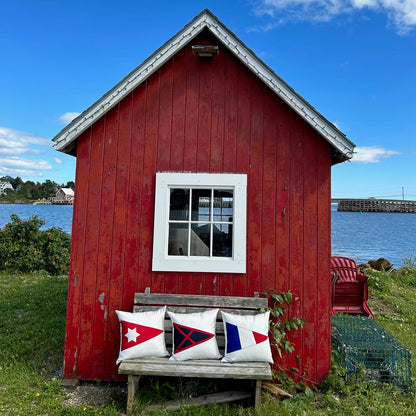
54, 215
362, 237
371, 235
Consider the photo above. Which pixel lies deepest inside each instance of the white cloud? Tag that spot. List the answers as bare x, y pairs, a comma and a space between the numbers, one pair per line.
68, 117
302, 10
372, 154
402, 13
16, 142
16, 166
359, 4
57, 160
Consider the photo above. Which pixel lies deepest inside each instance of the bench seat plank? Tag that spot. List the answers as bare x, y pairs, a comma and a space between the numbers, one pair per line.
196, 368
193, 309
224, 302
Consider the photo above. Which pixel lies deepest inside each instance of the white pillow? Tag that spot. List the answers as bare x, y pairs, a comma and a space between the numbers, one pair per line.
194, 336
142, 334
246, 337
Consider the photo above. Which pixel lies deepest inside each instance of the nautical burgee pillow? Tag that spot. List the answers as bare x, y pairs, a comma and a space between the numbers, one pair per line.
194, 336
246, 337
142, 334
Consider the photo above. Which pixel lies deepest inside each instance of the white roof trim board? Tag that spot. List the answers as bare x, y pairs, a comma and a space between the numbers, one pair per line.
65, 141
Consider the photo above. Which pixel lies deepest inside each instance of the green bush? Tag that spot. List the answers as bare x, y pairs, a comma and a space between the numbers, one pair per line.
26, 248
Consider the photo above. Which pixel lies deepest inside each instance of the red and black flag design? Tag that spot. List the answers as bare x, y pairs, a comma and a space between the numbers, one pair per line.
185, 337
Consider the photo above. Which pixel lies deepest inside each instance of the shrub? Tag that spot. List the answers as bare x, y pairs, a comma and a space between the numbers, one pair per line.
26, 248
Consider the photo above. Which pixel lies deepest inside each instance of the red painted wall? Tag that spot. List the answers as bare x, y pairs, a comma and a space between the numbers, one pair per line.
198, 116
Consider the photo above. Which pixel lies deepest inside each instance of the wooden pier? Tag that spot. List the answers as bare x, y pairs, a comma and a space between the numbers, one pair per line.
375, 205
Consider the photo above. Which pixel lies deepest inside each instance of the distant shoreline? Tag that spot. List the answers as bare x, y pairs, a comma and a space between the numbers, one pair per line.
33, 202
18, 202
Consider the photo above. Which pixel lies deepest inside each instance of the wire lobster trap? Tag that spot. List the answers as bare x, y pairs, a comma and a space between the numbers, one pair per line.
363, 345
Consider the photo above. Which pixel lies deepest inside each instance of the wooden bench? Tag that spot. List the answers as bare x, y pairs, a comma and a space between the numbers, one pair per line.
349, 287
254, 371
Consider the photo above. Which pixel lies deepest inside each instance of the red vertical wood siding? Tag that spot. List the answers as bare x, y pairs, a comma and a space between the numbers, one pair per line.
323, 288
198, 116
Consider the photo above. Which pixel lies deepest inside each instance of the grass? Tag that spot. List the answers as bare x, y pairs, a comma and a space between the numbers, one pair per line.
32, 326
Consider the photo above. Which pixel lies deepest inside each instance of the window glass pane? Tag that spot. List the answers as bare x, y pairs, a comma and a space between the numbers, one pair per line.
200, 239
178, 240
223, 205
179, 204
222, 240
201, 204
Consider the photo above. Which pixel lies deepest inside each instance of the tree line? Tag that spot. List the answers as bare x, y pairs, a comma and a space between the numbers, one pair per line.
29, 190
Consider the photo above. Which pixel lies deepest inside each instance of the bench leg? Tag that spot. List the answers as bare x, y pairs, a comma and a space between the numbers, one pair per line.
132, 386
257, 394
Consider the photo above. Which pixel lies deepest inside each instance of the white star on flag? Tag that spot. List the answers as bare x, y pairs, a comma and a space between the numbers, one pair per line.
132, 335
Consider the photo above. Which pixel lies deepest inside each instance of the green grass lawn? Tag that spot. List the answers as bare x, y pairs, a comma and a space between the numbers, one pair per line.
32, 326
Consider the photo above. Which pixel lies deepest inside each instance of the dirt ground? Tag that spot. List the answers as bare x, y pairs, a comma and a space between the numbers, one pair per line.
96, 394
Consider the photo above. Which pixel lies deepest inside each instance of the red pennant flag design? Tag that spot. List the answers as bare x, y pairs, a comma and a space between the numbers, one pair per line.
135, 334
259, 337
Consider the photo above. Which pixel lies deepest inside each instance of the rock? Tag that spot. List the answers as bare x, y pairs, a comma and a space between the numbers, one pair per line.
364, 266
381, 264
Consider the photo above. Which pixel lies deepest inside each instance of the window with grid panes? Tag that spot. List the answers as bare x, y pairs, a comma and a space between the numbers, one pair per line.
200, 222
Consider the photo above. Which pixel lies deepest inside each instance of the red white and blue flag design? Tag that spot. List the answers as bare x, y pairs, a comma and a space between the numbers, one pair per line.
239, 338
186, 337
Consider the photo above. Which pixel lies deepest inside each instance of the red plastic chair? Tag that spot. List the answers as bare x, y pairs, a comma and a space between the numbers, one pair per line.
349, 287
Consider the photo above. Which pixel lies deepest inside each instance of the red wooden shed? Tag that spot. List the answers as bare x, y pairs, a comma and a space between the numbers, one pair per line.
201, 172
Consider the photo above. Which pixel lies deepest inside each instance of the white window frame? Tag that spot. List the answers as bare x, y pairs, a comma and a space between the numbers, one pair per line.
167, 180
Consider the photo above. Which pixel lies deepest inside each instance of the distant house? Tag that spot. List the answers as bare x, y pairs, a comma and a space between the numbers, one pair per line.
64, 196
4, 186
203, 172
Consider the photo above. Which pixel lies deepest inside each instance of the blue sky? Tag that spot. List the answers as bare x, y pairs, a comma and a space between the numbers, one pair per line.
353, 60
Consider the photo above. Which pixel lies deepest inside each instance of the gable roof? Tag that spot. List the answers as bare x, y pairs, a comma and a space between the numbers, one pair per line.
342, 147
67, 191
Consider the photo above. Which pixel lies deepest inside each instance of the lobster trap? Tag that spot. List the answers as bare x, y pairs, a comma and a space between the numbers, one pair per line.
363, 346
